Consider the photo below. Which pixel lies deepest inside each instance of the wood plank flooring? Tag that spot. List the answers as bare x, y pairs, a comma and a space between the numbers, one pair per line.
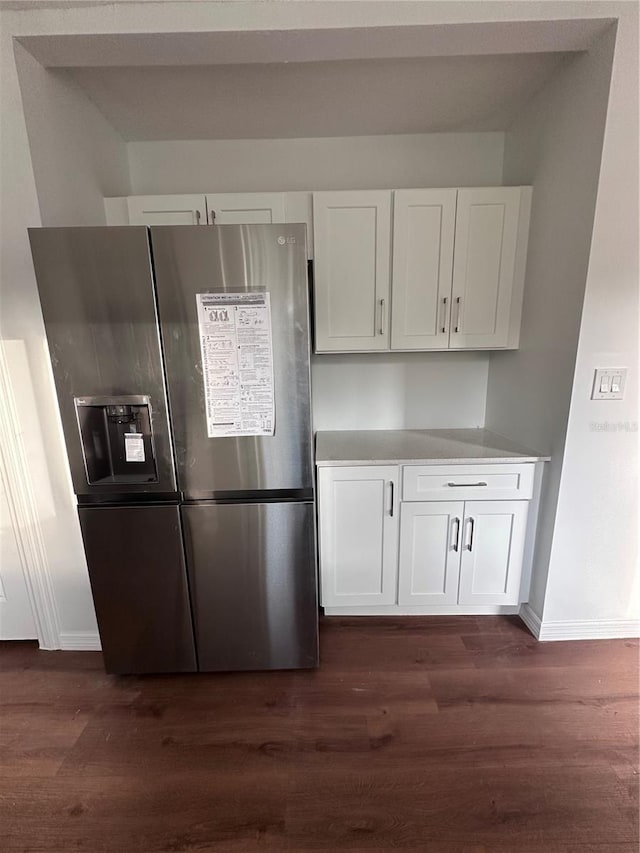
435, 734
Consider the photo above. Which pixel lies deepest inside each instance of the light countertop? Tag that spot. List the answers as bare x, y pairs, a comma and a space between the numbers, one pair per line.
418, 446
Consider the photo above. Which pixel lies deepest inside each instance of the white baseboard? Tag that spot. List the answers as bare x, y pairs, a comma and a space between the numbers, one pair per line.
398, 610
80, 641
579, 629
531, 620
596, 629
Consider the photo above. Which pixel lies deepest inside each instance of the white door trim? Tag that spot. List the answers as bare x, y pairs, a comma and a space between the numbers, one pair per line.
24, 515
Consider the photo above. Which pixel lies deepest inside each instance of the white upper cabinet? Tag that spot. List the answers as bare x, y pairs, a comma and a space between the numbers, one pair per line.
484, 266
352, 281
423, 239
167, 210
448, 275
213, 208
458, 259
245, 208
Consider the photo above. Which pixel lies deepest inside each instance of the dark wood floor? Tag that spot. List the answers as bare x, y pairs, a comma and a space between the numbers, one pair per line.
424, 734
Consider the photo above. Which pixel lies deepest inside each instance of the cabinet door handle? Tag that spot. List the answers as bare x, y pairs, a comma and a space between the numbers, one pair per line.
392, 499
465, 485
382, 317
470, 528
456, 541
444, 314
197, 213
457, 323
212, 217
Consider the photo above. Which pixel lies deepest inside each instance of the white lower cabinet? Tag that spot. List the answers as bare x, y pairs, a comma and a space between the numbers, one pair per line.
429, 559
492, 547
409, 554
358, 535
466, 553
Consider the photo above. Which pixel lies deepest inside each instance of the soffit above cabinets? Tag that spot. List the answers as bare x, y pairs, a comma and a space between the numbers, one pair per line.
317, 99
280, 82
267, 42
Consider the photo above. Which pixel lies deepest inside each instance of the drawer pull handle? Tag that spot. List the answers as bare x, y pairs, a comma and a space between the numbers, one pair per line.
465, 485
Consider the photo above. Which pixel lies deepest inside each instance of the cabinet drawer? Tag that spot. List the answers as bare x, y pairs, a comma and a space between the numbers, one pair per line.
467, 482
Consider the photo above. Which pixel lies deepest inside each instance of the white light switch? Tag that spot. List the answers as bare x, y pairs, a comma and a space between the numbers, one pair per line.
608, 383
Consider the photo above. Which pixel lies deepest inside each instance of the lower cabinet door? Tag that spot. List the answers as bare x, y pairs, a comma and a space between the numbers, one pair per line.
358, 525
493, 535
430, 536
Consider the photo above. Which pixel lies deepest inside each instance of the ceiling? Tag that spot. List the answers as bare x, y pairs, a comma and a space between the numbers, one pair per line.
313, 99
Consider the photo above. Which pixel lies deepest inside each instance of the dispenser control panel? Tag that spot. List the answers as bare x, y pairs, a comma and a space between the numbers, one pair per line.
117, 439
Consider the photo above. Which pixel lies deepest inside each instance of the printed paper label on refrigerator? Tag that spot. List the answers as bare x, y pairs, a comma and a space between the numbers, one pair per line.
133, 447
237, 363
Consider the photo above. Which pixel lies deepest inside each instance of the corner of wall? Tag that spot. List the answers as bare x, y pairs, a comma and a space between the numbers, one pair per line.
77, 155
555, 144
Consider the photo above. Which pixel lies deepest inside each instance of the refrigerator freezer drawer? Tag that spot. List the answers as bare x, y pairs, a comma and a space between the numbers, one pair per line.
253, 583
139, 584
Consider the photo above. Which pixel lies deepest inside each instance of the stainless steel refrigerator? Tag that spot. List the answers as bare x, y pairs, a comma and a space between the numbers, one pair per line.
180, 356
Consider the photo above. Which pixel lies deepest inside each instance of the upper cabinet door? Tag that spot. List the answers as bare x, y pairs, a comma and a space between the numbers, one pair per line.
423, 234
352, 237
245, 208
484, 266
167, 210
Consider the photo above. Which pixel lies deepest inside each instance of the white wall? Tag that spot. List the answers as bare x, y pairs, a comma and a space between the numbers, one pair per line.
583, 570
593, 572
399, 390
556, 146
358, 162
76, 158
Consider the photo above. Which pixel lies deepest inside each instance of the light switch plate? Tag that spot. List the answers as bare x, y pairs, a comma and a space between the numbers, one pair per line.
608, 383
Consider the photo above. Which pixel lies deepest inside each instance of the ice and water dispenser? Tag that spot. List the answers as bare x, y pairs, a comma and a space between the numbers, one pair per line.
117, 439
